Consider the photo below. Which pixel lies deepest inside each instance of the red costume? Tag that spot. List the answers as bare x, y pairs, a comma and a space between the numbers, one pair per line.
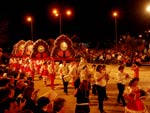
21, 69
134, 105
52, 74
135, 68
44, 71
28, 71
38, 66
15, 67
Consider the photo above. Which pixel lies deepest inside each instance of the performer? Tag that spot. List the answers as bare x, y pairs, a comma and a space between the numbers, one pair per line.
132, 95
82, 62
44, 73
122, 76
28, 69
37, 67
14, 64
135, 68
85, 74
11, 60
106, 78
74, 73
63, 72
92, 71
21, 66
100, 85
52, 73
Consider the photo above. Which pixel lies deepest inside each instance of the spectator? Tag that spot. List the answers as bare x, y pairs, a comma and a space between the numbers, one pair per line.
5, 92
28, 96
12, 91
20, 85
9, 106
11, 81
59, 105
43, 105
4, 82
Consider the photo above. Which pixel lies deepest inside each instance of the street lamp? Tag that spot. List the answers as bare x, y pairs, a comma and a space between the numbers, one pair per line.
57, 13
148, 8
148, 25
115, 14
29, 19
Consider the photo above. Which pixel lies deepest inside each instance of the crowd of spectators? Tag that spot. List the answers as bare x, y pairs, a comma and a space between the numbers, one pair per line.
111, 56
18, 95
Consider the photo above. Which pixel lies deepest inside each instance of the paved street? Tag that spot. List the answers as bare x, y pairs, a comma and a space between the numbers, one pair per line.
110, 105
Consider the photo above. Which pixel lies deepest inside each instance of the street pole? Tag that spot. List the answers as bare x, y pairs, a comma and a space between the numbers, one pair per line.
56, 13
116, 31
31, 30
29, 19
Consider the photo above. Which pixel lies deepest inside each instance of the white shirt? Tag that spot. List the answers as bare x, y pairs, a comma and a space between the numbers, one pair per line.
83, 75
121, 78
102, 82
63, 70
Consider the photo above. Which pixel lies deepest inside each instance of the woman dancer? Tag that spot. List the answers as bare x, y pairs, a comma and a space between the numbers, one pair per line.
132, 95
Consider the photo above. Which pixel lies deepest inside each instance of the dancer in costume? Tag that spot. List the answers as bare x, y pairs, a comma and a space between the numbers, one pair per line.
63, 72
52, 72
37, 67
132, 94
28, 69
44, 73
122, 77
135, 68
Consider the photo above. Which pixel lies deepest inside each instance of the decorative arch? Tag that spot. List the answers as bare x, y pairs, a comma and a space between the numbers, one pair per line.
18, 49
28, 48
40, 50
63, 49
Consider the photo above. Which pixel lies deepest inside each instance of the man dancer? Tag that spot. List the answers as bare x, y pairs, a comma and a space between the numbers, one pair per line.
63, 71
100, 80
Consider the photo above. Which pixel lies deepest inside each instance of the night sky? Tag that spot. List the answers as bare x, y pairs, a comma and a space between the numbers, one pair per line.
91, 20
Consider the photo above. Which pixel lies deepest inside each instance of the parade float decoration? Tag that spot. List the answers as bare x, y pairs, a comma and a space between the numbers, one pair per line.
63, 49
40, 50
28, 48
18, 49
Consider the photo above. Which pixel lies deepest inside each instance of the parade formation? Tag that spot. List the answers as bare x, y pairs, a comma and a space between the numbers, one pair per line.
30, 60
33, 58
